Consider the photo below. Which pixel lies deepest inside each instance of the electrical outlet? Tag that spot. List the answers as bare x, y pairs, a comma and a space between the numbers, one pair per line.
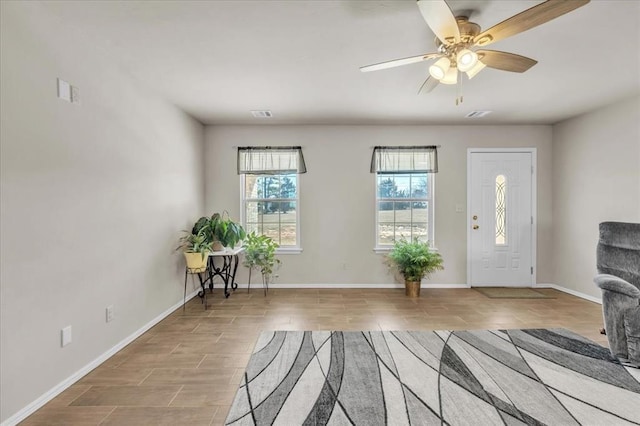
65, 336
109, 313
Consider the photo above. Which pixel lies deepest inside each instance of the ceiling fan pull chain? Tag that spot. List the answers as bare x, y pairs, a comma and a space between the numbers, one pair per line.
459, 97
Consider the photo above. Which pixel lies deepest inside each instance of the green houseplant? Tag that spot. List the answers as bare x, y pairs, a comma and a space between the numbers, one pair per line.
260, 253
220, 230
196, 250
414, 260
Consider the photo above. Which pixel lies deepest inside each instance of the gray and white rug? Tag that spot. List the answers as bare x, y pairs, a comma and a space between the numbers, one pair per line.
508, 377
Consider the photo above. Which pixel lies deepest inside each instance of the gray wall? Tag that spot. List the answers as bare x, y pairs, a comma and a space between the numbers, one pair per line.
596, 178
91, 199
337, 194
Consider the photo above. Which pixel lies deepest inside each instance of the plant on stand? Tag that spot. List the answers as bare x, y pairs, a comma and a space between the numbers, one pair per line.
260, 253
220, 230
196, 250
414, 260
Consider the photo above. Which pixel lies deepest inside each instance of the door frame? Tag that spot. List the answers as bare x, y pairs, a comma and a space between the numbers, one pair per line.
534, 204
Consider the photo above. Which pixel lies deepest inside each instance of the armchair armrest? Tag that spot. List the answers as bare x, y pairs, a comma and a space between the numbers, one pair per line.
617, 285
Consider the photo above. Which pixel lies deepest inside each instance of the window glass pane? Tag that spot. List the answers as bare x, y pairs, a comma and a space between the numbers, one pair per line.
419, 213
269, 187
253, 211
402, 211
403, 186
385, 211
252, 186
288, 212
501, 210
386, 186
288, 186
253, 227
419, 187
419, 232
288, 235
403, 230
272, 229
385, 233
271, 212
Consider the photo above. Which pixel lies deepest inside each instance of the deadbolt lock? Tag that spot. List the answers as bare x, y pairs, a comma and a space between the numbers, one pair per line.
475, 217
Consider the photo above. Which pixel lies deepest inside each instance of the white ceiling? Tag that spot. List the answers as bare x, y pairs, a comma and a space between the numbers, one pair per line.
218, 60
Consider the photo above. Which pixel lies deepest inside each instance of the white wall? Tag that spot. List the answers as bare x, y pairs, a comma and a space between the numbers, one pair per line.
337, 194
92, 197
596, 178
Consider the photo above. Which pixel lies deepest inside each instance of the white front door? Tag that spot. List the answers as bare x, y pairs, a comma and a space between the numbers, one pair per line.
500, 219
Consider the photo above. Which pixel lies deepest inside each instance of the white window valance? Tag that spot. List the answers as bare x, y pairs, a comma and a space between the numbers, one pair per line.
264, 160
404, 159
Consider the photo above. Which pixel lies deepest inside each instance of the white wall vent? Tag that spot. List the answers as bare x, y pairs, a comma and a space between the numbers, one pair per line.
477, 114
261, 114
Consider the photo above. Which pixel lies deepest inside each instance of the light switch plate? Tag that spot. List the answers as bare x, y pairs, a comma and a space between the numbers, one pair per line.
65, 336
459, 208
64, 90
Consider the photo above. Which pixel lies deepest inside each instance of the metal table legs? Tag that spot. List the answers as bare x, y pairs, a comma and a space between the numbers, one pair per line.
227, 272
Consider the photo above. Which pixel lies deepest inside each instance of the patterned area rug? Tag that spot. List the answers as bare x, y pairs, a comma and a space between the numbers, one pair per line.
512, 293
510, 377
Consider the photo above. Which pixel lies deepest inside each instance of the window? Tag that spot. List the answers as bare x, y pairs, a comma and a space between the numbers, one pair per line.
404, 207
404, 193
270, 207
270, 192
501, 211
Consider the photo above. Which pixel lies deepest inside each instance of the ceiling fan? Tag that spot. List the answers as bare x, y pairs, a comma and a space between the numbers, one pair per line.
460, 43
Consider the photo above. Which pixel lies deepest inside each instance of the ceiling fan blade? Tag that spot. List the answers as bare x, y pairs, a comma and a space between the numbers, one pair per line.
528, 19
399, 62
440, 19
505, 61
429, 84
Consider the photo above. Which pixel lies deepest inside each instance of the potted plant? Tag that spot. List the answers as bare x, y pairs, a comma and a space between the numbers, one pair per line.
196, 250
414, 260
260, 253
220, 231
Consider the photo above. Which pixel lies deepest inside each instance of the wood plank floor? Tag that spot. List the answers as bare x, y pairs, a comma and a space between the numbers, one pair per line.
186, 369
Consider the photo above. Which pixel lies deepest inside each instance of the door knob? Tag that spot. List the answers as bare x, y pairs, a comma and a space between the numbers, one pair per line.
476, 226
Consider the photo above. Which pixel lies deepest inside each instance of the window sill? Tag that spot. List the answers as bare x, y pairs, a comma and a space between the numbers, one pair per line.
385, 250
382, 250
289, 250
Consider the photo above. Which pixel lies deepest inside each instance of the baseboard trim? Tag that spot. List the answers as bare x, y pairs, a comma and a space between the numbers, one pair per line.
569, 291
60, 387
258, 285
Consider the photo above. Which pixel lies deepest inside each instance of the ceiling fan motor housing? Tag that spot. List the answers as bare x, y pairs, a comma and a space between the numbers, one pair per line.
468, 30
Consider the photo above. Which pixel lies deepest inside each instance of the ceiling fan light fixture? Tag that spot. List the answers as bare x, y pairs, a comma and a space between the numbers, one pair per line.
466, 59
451, 77
440, 68
479, 66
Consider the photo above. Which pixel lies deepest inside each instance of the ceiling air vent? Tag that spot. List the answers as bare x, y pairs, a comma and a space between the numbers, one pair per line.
477, 114
261, 114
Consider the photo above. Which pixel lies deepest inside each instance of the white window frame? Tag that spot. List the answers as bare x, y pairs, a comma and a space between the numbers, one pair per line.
430, 214
282, 249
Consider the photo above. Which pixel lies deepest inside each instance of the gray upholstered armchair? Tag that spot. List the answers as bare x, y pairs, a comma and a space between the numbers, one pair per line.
619, 278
